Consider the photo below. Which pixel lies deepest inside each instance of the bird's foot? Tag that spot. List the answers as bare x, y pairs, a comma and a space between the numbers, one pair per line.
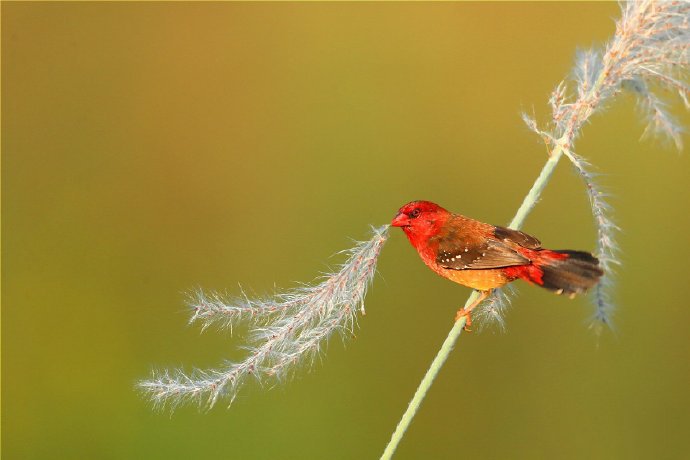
468, 319
465, 312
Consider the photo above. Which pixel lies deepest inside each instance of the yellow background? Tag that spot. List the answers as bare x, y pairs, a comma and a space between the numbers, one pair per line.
152, 148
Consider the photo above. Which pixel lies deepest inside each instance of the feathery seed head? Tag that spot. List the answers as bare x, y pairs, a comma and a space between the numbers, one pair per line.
650, 50
288, 329
492, 311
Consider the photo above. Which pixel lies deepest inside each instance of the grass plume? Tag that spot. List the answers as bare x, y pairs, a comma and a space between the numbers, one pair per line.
288, 329
649, 52
492, 311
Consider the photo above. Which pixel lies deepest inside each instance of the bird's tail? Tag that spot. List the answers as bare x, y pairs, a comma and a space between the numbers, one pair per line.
564, 271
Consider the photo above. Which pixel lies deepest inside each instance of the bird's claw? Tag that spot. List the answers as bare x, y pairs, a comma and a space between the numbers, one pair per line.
468, 319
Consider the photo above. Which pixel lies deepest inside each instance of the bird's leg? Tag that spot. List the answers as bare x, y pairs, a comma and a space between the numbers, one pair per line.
466, 310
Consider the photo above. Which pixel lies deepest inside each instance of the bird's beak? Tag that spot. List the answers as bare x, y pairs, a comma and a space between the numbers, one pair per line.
401, 220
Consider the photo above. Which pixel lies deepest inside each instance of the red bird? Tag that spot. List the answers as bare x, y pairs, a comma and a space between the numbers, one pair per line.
484, 257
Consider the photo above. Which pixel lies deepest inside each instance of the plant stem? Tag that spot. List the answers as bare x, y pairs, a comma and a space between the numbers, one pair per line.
525, 208
535, 192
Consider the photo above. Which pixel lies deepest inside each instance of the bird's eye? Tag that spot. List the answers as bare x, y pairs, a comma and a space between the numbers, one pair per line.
415, 213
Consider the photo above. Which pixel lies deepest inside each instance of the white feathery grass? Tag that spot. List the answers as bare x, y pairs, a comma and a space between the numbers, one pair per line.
287, 330
649, 51
607, 248
492, 311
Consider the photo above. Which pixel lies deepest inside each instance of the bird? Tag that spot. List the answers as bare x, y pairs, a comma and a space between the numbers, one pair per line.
485, 257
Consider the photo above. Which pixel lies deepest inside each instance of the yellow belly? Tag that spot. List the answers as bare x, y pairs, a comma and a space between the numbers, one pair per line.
478, 279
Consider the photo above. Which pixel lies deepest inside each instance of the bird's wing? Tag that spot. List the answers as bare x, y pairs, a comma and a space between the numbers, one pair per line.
467, 244
464, 254
515, 236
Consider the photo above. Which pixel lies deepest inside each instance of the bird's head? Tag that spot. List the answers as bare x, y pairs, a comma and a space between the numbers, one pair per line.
420, 219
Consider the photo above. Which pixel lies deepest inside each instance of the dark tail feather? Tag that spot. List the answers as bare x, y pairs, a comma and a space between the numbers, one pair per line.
573, 274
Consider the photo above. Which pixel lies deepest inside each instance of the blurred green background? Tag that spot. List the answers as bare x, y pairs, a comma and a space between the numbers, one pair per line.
152, 148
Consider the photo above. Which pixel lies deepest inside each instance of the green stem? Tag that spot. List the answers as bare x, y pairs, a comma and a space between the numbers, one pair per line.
525, 208
535, 192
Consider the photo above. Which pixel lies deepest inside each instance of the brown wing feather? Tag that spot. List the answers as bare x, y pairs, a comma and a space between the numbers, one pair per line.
472, 245
517, 237
491, 254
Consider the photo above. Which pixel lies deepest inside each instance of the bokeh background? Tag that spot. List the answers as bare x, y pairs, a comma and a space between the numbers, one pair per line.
152, 148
